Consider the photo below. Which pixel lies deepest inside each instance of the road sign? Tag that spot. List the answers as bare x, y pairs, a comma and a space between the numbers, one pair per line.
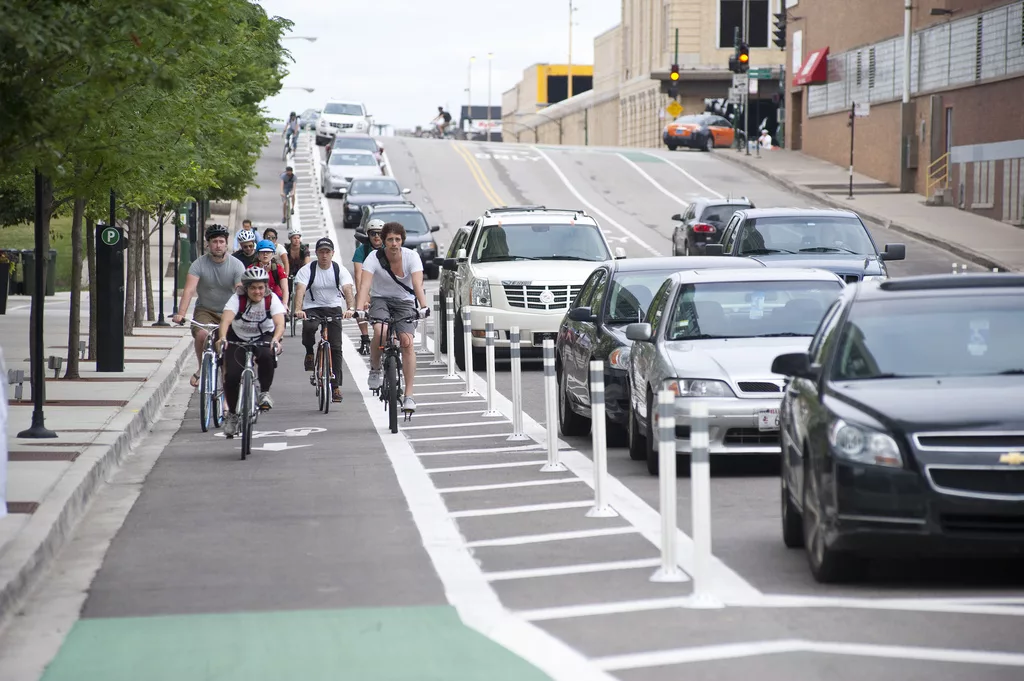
674, 109
861, 109
760, 73
110, 236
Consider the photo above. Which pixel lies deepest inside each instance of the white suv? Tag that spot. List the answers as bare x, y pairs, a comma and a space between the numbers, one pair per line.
341, 117
523, 266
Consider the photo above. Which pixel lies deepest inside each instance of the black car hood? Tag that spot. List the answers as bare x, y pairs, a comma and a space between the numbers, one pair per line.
840, 263
373, 198
913, 404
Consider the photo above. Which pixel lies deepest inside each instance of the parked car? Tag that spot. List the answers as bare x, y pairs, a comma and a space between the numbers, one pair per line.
419, 234
703, 223
522, 265
357, 141
835, 240
616, 294
341, 117
308, 119
344, 167
447, 278
712, 335
703, 131
365, 191
902, 428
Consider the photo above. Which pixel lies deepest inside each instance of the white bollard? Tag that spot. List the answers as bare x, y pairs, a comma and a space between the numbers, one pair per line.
700, 509
963, 268
600, 509
467, 335
437, 361
491, 411
666, 434
423, 349
954, 268
995, 269
450, 319
517, 387
551, 409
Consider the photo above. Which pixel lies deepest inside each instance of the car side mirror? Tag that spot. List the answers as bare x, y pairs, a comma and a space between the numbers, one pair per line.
677, 216
435, 228
381, 149
461, 255
620, 253
894, 252
639, 332
406, 191
714, 249
450, 264
470, 223
582, 314
797, 364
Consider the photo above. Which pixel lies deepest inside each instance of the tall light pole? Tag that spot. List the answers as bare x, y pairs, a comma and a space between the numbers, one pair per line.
311, 39
469, 95
569, 74
490, 114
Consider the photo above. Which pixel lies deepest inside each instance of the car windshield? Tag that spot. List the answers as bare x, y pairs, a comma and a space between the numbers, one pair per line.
364, 143
540, 242
719, 216
960, 335
343, 159
692, 120
631, 294
413, 222
800, 234
750, 309
386, 187
343, 109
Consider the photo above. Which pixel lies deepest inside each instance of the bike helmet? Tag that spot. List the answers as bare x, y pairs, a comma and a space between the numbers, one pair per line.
374, 225
247, 235
294, 231
214, 231
253, 275
265, 245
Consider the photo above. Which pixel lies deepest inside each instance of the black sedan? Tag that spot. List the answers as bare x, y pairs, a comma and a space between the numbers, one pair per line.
902, 429
616, 294
419, 234
366, 191
703, 222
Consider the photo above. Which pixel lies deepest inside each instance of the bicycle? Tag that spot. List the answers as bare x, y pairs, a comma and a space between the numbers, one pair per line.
211, 393
247, 409
391, 360
291, 315
323, 364
286, 209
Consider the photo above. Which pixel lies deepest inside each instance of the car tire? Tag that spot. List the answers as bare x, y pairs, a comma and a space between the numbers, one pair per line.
432, 272
672, 147
709, 143
635, 441
616, 434
442, 324
460, 342
792, 523
827, 565
650, 446
686, 248
569, 422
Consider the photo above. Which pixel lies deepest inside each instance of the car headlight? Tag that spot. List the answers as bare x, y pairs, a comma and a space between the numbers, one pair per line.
619, 358
427, 245
480, 292
699, 387
863, 445
360, 125
873, 277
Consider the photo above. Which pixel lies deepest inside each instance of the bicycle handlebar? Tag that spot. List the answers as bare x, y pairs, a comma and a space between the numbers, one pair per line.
208, 327
421, 313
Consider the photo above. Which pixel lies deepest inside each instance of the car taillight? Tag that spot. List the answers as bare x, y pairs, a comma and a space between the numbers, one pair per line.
703, 228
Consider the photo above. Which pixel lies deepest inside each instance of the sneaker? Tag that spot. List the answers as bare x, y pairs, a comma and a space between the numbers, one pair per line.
364, 345
409, 404
230, 424
265, 401
336, 395
375, 379
308, 363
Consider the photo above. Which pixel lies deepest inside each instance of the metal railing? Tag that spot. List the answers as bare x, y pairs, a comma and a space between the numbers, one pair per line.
938, 174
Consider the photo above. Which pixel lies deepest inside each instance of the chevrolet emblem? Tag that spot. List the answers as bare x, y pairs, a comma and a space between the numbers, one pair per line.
1012, 458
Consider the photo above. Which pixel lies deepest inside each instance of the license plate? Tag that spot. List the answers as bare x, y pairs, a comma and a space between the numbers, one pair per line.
539, 338
768, 419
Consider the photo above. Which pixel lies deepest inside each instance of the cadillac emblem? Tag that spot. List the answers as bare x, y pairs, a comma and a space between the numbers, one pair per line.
1012, 458
547, 297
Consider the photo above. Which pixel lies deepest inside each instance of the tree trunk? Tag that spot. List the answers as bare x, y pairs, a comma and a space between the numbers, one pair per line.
148, 257
140, 227
131, 275
75, 315
90, 254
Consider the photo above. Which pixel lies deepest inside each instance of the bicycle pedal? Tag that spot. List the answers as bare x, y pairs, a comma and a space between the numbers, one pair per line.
312, 380
408, 415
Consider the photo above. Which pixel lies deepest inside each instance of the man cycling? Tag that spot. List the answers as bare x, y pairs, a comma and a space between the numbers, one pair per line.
255, 315
291, 131
297, 255
211, 281
373, 229
246, 224
246, 252
391, 284
442, 121
325, 289
288, 189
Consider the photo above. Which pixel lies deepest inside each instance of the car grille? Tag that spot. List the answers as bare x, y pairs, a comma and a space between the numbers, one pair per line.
850, 278
1011, 525
529, 296
1002, 482
759, 387
751, 436
968, 440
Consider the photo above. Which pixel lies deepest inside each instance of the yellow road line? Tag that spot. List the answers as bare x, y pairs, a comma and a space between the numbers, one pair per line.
478, 175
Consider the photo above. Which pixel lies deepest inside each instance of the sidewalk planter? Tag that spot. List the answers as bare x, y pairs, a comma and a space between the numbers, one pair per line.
28, 257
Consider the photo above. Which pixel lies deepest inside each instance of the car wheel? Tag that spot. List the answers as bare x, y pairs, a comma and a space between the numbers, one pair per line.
672, 147
569, 422
433, 272
792, 523
709, 143
828, 566
651, 447
442, 323
686, 248
637, 446
460, 343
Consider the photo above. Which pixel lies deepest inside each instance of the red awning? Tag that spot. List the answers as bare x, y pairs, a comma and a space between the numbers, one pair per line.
815, 69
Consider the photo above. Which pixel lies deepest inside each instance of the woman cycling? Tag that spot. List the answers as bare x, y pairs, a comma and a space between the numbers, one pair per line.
280, 253
278, 280
297, 254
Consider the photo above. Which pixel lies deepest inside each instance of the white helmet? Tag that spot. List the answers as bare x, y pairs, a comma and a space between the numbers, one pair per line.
294, 231
246, 235
374, 225
253, 275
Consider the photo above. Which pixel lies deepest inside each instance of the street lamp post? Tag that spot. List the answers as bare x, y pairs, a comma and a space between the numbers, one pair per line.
311, 39
490, 114
568, 75
469, 96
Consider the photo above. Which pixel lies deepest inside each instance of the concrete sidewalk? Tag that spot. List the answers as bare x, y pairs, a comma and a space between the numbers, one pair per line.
986, 242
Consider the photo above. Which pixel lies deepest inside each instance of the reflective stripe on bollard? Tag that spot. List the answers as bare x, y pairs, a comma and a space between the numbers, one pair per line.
467, 336
600, 509
700, 510
450, 328
491, 411
551, 409
666, 434
517, 388
437, 361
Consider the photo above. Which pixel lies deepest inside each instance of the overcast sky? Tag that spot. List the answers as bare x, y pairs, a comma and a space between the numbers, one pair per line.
404, 58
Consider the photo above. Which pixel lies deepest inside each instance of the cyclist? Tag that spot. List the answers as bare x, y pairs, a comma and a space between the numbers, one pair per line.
270, 234
211, 281
288, 189
255, 315
442, 121
297, 254
373, 228
278, 280
246, 252
246, 224
391, 284
291, 130
325, 288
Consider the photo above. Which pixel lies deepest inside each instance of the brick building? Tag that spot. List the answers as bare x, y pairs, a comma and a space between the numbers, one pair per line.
960, 139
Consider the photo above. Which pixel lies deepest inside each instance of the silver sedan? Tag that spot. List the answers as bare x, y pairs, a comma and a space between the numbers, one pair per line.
712, 335
345, 166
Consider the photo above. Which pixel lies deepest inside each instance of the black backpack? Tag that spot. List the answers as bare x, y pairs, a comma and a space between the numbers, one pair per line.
312, 277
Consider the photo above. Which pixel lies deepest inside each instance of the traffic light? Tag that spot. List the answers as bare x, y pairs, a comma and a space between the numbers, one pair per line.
673, 83
674, 76
780, 30
743, 57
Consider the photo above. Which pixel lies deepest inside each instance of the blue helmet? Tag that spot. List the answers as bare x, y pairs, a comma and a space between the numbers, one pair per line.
266, 245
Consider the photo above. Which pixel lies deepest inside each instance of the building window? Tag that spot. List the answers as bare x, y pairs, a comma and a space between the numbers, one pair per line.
730, 18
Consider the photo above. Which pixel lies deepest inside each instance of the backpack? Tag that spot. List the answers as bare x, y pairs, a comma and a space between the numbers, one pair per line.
447, 117
243, 303
312, 277
382, 258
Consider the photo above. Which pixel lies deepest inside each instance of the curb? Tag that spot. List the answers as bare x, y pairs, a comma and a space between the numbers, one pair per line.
28, 556
953, 247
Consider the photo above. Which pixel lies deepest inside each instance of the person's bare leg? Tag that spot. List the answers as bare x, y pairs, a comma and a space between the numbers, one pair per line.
408, 362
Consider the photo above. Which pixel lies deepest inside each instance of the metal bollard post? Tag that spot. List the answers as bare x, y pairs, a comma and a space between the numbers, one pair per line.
700, 510
491, 411
954, 268
551, 409
600, 509
437, 361
666, 433
423, 349
995, 269
517, 388
467, 335
963, 268
450, 319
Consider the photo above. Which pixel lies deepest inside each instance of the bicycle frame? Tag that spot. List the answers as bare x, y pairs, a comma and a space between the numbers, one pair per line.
211, 390
391, 349
246, 408
323, 375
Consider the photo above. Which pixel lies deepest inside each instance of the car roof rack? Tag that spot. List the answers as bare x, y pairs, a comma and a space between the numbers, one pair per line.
513, 209
935, 282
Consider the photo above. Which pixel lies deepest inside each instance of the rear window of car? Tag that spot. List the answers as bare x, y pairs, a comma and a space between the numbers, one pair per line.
720, 215
343, 159
355, 143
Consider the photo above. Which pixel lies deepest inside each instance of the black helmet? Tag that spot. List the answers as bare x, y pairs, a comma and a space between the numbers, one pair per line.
440, 108
214, 231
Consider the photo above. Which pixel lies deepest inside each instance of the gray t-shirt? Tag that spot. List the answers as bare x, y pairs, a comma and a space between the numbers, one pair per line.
216, 281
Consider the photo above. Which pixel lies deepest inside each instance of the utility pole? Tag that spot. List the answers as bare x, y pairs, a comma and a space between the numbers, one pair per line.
569, 74
746, 90
469, 95
490, 115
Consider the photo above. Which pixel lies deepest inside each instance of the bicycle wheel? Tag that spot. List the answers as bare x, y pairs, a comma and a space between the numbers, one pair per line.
245, 417
325, 378
218, 397
316, 378
391, 383
206, 392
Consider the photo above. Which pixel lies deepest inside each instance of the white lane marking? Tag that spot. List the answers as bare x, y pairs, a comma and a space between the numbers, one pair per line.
447, 402
572, 569
694, 179
966, 606
595, 609
486, 466
728, 651
471, 424
483, 450
654, 183
594, 209
445, 413
531, 508
552, 536
447, 392
508, 485
457, 437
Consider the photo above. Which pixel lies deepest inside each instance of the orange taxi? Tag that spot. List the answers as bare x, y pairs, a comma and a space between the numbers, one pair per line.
699, 131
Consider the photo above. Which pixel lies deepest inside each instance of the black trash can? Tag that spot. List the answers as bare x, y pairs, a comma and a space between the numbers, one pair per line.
28, 259
5, 284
